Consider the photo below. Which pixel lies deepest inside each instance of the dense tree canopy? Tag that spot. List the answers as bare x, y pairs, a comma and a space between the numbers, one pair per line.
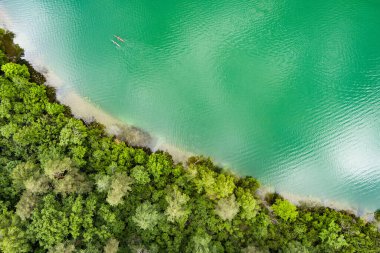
68, 187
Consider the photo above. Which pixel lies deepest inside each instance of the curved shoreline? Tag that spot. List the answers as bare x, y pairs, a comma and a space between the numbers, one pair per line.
85, 110
82, 108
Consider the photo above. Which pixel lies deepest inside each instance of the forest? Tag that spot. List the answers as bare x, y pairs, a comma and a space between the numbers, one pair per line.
67, 186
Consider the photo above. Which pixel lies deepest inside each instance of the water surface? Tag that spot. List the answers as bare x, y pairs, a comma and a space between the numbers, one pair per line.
287, 91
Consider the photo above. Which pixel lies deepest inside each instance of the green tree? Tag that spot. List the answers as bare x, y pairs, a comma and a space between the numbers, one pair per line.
140, 175
224, 186
377, 215
294, 247
50, 225
216, 186
74, 132
12, 70
331, 237
248, 204
3, 58
159, 164
13, 237
285, 210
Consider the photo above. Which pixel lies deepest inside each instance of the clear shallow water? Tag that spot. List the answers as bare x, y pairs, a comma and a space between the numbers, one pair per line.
286, 91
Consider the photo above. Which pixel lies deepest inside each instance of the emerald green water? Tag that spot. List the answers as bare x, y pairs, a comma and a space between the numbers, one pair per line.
287, 91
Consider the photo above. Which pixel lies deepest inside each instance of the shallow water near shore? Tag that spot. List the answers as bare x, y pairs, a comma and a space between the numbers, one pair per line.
286, 91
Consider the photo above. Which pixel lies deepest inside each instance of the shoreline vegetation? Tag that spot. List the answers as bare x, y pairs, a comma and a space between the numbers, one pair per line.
67, 186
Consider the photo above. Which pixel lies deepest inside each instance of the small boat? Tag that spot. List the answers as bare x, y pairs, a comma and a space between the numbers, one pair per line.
114, 42
119, 38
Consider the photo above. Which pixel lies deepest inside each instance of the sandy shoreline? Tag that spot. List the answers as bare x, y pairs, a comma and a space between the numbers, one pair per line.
84, 109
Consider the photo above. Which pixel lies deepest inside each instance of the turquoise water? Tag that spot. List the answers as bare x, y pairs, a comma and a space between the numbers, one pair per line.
287, 91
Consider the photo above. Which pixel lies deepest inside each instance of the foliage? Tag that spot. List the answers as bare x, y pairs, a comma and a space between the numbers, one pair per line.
26, 205
112, 246
62, 248
146, 216
50, 163
285, 210
176, 205
12, 230
140, 175
377, 214
200, 243
248, 204
50, 224
120, 186
227, 208
3, 58
12, 70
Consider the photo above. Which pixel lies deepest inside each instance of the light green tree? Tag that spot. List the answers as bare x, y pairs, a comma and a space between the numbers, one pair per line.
294, 247
205, 180
112, 246
103, 183
65, 178
199, 243
227, 208
37, 184
26, 205
285, 210
57, 169
120, 186
72, 182
253, 249
176, 205
146, 216
13, 237
12, 70
67, 247
215, 186
23, 172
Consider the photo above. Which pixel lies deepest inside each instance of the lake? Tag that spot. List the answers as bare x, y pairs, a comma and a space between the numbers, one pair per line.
287, 91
